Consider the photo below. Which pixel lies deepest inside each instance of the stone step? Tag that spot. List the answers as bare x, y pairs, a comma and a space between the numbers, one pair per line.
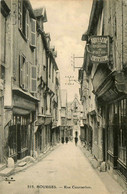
22, 164
6, 172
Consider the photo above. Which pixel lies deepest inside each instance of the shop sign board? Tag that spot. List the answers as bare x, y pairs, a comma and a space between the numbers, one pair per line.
99, 49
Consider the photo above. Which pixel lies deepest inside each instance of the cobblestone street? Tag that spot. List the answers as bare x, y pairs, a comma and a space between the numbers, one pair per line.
65, 170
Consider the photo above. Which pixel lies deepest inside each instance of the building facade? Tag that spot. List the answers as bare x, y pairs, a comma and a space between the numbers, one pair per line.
28, 82
69, 121
104, 85
76, 113
63, 114
5, 65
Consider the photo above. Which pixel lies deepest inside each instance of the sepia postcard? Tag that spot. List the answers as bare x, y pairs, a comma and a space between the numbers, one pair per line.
63, 96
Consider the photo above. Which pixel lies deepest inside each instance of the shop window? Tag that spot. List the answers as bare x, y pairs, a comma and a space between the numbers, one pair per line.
23, 136
122, 130
2, 76
38, 140
110, 128
96, 132
24, 131
12, 140
110, 139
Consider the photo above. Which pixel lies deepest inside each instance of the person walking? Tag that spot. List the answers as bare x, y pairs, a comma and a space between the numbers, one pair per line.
76, 140
62, 140
66, 139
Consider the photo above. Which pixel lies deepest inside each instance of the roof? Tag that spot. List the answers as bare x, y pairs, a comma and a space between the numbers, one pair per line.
94, 15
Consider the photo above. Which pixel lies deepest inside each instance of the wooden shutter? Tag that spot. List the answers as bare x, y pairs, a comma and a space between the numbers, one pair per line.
52, 73
33, 33
27, 24
26, 76
49, 67
22, 71
20, 9
33, 79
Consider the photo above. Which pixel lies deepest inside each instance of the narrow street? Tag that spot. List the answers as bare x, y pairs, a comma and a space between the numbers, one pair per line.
65, 169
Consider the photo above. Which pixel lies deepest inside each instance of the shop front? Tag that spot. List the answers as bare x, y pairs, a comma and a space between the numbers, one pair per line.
117, 136
112, 95
48, 134
39, 134
21, 129
18, 137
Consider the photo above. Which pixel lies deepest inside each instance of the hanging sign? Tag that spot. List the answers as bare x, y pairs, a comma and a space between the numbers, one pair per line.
99, 49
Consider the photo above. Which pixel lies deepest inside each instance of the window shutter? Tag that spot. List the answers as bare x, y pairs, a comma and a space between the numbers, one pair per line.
27, 24
20, 9
52, 73
22, 72
26, 76
50, 67
33, 79
33, 33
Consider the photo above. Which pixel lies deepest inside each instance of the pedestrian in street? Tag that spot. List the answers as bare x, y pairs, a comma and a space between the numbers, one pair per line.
66, 139
76, 140
62, 140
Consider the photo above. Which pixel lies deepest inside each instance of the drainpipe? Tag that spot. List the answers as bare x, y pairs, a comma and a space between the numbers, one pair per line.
122, 35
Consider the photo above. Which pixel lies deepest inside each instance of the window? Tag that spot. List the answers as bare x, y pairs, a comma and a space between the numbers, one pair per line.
49, 67
96, 132
63, 121
44, 67
33, 79
122, 130
24, 133
53, 73
50, 105
2, 39
33, 33
23, 19
46, 102
28, 75
24, 136
24, 73
27, 24
20, 10
111, 128
12, 140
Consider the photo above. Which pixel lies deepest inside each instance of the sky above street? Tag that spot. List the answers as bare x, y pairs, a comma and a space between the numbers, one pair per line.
67, 21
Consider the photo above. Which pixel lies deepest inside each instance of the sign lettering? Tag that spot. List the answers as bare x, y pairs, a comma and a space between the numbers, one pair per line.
99, 49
